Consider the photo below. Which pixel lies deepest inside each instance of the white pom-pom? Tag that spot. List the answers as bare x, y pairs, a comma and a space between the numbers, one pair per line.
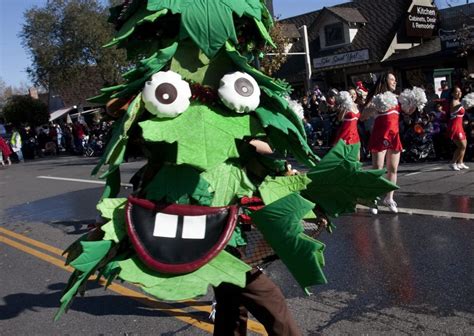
344, 101
296, 107
407, 101
420, 97
384, 102
468, 101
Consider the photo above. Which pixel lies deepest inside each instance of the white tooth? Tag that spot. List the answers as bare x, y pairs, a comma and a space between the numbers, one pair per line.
194, 227
166, 226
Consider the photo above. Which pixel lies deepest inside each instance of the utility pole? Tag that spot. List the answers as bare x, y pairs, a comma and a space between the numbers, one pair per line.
309, 71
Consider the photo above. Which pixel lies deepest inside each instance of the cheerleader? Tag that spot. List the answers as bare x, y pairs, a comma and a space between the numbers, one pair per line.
455, 130
384, 142
348, 115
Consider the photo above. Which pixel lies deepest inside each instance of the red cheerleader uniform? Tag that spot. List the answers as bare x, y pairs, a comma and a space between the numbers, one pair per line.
385, 133
348, 130
455, 128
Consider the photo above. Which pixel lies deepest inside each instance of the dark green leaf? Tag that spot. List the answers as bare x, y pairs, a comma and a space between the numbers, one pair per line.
338, 182
280, 224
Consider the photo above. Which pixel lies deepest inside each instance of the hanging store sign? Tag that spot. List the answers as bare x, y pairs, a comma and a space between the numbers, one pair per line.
339, 59
453, 39
421, 21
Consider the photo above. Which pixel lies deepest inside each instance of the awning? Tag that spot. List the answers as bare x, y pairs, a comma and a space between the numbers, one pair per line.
61, 112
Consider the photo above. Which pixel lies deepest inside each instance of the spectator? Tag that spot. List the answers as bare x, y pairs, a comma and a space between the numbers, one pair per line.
3, 130
5, 152
445, 92
16, 144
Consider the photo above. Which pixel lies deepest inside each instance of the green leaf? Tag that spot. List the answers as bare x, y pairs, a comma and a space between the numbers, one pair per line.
115, 229
209, 23
252, 8
264, 33
193, 65
274, 102
285, 136
223, 268
211, 139
238, 238
112, 184
151, 65
129, 26
228, 182
137, 77
274, 188
115, 149
260, 77
107, 206
338, 182
280, 224
113, 209
85, 265
177, 184
93, 252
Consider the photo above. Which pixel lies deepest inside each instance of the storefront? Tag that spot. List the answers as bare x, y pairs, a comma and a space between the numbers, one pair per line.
352, 42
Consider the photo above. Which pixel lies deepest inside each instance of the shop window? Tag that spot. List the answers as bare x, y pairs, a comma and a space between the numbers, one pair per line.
334, 34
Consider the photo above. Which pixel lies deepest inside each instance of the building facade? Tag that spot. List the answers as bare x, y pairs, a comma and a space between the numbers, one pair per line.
357, 40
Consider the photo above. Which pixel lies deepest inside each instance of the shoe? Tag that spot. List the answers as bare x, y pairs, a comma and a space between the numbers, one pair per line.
374, 211
391, 205
462, 166
454, 166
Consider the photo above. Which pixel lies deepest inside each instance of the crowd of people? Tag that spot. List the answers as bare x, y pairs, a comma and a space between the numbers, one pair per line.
441, 128
76, 138
423, 134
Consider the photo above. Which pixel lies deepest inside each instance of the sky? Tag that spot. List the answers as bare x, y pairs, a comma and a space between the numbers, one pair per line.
14, 59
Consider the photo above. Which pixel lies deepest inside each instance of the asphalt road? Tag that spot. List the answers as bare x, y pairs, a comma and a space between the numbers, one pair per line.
388, 274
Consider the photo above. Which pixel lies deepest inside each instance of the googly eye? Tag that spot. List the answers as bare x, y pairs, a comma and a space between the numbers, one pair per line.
239, 92
166, 95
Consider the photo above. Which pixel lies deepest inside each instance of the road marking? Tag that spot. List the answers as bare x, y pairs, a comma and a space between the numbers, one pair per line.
33, 242
425, 170
79, 180
433, 213
177, 313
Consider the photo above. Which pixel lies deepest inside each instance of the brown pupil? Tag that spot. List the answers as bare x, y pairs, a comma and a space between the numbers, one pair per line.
166, 93
243, 87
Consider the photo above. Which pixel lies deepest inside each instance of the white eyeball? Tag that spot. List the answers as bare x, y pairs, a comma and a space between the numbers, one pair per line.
239, 92
166, 95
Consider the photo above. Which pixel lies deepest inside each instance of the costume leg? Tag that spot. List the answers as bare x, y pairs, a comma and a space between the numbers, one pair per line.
266, 302
231, 316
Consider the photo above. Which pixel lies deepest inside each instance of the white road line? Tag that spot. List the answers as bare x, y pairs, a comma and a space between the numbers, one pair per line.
425, 170
415, 173
433, 213
435, 168
79, 180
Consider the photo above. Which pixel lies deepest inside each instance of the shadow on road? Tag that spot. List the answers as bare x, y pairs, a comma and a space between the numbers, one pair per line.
100, 305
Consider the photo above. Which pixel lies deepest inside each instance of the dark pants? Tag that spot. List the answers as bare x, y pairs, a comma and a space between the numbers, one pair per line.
262, 298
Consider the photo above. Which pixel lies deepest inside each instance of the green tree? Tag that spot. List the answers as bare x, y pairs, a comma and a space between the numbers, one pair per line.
64, 39
6, 91
24, 109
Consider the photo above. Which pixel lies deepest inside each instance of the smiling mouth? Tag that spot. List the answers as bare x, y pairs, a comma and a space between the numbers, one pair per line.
177, 239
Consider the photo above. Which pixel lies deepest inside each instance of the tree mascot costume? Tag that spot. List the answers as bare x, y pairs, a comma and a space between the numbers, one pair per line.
213, 197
